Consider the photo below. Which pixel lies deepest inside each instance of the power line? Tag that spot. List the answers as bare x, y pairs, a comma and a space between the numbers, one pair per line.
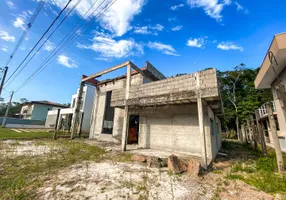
25, 32
46, 40
69, 41
39, 40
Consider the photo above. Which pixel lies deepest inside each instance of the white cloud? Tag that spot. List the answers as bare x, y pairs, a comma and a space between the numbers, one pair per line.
10, 4
172, 19
5, 36
212, 8
176, 7
239, 7
4, 49
177, 28
66, 61
164, 48
108, 47
142, 30
19, 23
49, 46
196, 42
229, 46
23, 48
227, 2
148, 29
157, 27
117, 18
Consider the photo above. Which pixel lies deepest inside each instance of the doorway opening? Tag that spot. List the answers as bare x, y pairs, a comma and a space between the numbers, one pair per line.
108, 115
133, 132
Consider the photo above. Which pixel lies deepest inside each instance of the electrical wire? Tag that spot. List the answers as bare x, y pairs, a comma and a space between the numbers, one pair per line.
71, 39
40, 39
25, 32
46, 40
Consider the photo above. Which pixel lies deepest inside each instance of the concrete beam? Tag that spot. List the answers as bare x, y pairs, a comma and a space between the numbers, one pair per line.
105, 71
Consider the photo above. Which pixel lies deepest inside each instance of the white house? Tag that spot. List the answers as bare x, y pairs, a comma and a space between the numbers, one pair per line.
67, 114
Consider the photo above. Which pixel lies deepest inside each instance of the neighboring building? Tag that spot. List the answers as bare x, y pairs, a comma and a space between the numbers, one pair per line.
162, 112
37, 110
67, 114
272, 74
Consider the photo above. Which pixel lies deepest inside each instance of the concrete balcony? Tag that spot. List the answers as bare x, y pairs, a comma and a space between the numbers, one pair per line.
174, 90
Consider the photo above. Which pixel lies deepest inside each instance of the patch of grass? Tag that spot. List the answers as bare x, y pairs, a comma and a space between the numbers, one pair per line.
267, 164
268, 182
234, 177
22, 175
6, 133
217, 171
256, 170
123, 157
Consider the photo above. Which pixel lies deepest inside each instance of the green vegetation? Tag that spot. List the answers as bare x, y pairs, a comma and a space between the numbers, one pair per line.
244, 100
255, 169
6, 133
22, 175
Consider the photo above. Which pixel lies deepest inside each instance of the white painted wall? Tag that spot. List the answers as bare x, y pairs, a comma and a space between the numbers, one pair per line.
86, 108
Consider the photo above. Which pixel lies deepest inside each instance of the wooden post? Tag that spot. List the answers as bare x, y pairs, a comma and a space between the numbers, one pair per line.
276, 143
7, 110
243, 133
201, 123
254, 132
81, 121
249, 138
77, 111
126, 110
56, 124
261, 133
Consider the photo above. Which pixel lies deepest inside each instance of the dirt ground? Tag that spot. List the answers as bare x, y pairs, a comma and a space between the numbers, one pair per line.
109, 179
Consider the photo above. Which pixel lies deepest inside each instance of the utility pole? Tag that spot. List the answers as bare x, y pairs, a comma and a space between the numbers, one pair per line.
7, 110
3, 79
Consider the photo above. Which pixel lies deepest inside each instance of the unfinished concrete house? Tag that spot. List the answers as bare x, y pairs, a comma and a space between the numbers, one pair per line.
177, 114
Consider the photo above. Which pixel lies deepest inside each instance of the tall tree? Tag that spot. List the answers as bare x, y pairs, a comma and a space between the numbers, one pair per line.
239, 96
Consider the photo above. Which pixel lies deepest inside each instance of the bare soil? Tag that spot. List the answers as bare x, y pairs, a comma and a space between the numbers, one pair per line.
111, 179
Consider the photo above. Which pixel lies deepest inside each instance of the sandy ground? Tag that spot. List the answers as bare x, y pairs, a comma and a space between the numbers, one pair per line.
13, 148
120, 181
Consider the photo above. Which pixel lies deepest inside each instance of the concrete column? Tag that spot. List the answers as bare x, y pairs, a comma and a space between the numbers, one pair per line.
201, 122
94, 113
76, 117
126, 110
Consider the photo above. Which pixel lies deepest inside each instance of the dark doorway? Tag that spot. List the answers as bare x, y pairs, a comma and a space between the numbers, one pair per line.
108, 115
133, 132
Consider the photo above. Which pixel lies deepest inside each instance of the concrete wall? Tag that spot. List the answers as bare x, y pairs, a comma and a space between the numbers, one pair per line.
176, 128
87, 108
97, 115
40, 111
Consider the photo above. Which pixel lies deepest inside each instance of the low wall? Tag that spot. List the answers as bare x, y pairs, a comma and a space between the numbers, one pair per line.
22, 121
24, 126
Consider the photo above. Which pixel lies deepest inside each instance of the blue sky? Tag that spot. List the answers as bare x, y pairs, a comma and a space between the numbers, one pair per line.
176, 36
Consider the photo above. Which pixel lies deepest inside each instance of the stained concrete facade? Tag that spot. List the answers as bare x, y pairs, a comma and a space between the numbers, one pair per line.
272, 74
167, 110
